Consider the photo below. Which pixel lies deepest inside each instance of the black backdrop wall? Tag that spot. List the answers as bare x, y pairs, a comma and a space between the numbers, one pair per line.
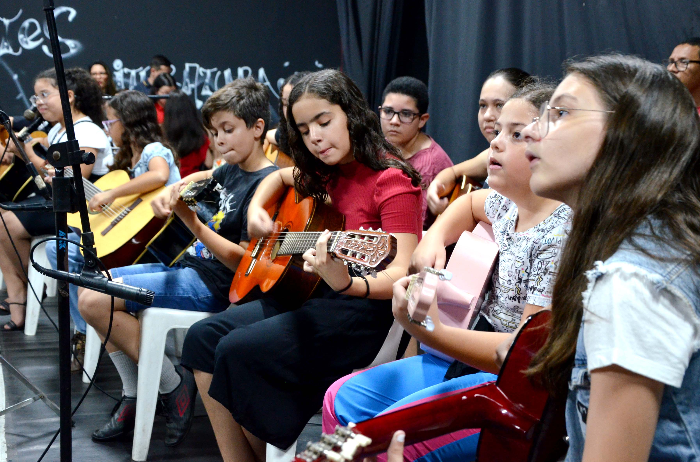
469, 39
209, 42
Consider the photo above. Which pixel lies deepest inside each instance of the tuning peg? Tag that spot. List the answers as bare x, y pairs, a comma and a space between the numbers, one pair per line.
370, 228
374, 273
380, 230
361, 228
345, 262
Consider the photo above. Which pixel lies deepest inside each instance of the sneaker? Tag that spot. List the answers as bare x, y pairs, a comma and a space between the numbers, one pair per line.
178, 406
77, 346
121, 422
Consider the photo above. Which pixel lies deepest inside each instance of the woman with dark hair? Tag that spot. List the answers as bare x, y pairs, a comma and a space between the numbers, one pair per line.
85, 99
619, 142
497, 88
279, 136
262, 368
101, 73
163, 85
185, 132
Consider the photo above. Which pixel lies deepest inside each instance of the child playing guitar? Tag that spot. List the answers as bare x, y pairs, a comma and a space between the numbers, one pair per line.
262, 368
529, 232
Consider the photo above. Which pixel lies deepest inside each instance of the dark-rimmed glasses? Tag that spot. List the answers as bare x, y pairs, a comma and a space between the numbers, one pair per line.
550, 114
681, 64
405, 116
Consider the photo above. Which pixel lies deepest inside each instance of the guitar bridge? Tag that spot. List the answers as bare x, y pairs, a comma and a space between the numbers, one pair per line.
254, 256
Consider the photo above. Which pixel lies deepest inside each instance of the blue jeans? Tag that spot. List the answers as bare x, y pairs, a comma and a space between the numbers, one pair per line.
75, 265
175, 287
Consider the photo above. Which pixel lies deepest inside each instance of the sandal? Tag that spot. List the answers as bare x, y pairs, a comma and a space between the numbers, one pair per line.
11, 325
5, 307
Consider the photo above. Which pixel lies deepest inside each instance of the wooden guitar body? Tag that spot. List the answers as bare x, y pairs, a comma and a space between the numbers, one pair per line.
519, 421
262, 271
15, 181
123, 230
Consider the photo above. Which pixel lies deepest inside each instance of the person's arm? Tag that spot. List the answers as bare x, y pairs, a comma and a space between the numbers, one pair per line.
86, 170
445, 181
269, 192
270, 137
161, 204
622, 415
463, 215
156, 176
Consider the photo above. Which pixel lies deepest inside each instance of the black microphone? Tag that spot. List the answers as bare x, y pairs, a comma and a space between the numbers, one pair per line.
99, 283
46, 206
31, 113
23, 134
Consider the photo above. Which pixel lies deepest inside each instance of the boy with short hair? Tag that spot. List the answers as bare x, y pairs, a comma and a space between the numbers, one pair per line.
403, 114
237, 115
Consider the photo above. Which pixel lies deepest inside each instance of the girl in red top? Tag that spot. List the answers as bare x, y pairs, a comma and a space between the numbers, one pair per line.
185, 132
263, 367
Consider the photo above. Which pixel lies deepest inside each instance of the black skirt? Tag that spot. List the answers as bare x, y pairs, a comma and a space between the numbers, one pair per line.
271, 367
36, 223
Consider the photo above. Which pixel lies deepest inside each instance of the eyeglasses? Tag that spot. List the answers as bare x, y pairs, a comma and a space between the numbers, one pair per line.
108, 123
42, 96
405, 116
550, 115
681, 64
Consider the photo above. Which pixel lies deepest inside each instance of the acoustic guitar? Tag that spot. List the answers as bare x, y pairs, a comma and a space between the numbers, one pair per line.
15, 181
174, 238
273, 265
519, 420
123, 228
460, 288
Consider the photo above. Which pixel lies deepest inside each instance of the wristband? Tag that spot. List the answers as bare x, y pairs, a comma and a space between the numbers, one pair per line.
366, 285
344, 288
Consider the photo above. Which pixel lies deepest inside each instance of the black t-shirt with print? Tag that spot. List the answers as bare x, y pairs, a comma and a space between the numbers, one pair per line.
230, 222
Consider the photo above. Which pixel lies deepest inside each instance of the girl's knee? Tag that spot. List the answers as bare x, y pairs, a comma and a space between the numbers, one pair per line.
90, 305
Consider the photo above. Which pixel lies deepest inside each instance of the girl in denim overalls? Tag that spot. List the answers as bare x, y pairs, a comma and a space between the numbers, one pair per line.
620, 144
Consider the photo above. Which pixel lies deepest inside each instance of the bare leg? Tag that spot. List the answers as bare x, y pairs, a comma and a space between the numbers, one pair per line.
12, 270
126, 329
232, 441
258, 446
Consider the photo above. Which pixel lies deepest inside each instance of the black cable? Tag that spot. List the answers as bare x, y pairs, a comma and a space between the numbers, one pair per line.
109, 329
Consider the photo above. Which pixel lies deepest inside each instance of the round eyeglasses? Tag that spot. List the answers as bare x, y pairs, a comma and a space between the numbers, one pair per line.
681, 64
42, 96
107, 124
405, 116
551, 114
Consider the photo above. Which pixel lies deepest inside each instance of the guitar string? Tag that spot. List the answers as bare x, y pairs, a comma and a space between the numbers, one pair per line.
112, 212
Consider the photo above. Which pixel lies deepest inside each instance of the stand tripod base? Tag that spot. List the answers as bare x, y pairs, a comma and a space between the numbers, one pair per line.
38, 394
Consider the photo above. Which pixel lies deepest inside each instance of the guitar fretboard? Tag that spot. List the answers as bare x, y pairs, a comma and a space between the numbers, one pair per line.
295, 243
90, 189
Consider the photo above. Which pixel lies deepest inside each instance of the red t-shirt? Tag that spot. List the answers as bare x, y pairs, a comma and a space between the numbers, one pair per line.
160, 113
429, 162
385, 199
192, 161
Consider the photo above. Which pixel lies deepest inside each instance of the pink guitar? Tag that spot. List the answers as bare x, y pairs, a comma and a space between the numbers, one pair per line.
460, 288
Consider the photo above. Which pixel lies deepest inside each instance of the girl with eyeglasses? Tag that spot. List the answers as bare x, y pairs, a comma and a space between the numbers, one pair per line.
85, 99
620, 144
529, 231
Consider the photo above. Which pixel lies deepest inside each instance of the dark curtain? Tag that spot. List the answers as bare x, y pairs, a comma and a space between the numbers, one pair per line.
469, 39
369, 36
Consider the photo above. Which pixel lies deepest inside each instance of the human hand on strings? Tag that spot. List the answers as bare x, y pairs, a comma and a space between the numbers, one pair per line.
100, 200
435, 196
259, 222
399, 308
318, 261
161, 204
430, 253
186, 214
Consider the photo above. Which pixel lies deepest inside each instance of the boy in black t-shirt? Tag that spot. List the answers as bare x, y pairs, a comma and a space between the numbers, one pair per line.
237, 115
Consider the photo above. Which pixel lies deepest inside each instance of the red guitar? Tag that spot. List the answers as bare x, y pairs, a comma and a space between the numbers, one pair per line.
519, 421
273, 265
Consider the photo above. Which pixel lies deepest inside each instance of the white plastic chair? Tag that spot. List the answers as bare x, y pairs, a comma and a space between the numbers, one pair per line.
2, 282
37, 281
386, 354
155, 324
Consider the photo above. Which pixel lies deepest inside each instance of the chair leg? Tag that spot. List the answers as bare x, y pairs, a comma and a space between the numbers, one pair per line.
273, 454
36, 281
92, 353
150, 366
51, 286
2, 282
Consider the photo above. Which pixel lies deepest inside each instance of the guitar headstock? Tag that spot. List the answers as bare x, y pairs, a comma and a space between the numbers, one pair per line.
367, 251
343, 445
206, 190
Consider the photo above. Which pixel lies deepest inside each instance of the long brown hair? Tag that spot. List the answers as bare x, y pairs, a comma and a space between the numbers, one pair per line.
370, 147
138, 116
648, 168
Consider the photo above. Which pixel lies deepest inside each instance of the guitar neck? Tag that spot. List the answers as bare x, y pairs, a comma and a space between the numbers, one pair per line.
90, 189
298, 242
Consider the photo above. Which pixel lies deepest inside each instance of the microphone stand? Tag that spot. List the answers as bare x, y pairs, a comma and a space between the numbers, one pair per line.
61, 155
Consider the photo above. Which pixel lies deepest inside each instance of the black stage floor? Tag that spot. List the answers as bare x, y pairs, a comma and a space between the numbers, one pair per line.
29, 430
